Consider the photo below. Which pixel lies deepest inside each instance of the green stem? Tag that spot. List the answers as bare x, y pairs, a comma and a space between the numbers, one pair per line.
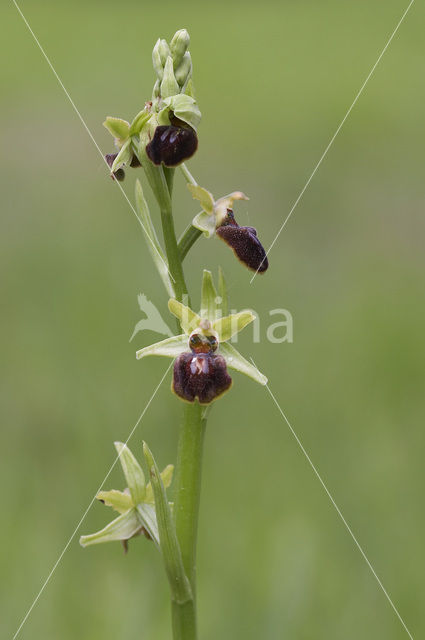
188, 238
184, 620
160, 188
188, 484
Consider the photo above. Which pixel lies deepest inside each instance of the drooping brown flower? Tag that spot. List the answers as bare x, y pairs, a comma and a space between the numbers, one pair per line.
244, 242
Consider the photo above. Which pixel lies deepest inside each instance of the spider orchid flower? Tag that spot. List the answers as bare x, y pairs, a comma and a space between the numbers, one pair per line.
217, 218
202, 353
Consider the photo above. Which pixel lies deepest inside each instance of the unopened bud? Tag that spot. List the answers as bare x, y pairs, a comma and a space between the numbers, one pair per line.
179, 45
184, 70
169, 85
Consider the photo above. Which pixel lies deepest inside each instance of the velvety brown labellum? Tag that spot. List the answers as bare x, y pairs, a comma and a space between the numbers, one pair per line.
203, 376
172, 145
245, 244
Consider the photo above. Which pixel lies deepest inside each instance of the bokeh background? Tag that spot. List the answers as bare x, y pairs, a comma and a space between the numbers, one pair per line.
273, 80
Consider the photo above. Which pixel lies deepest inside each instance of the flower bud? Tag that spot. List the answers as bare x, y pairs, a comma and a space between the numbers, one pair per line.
171, 145
244, 242
184, 70
179, 45
169, 84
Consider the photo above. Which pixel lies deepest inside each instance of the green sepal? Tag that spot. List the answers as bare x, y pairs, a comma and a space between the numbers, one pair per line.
231, 325
204, 197
118, 500
147, 517
188, 319
205, 222
133, 473
169, 545
222, 292
118, 127
236, 361
208, 296
170, 348
123, 157
185, 108
122, 528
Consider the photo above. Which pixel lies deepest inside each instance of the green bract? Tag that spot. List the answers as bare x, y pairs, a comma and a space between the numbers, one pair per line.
208, 320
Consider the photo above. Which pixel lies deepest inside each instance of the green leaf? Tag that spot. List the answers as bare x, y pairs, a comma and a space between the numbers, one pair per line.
123, 157
188, 319
118, 500
237, 362
122, 528
169, 545
208, 296
204, 197
185, 108
231, 325
133, 473
170, 348
118, 127
205, 223
222, 292
152, 239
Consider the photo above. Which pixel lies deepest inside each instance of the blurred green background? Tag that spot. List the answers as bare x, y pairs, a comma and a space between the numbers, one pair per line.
273, 80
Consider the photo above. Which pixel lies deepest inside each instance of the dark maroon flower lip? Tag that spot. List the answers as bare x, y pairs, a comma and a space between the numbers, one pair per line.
171, 145
244, 242
200, 376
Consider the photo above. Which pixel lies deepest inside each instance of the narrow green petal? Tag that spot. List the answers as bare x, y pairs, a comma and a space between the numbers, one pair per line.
122, 528
237, 362
203, 196
170, 348
208, 296
118, 500
230, 325
118, 127
188, 319
133, 473
222, 292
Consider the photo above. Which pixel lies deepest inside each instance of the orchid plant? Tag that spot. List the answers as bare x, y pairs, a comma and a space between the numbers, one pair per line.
161, 137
